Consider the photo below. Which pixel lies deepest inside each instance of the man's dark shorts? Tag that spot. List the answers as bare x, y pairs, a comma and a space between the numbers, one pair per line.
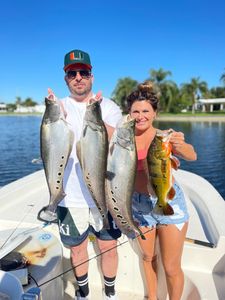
73, 233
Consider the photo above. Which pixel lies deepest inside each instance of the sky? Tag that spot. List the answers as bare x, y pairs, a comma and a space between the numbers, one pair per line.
124, 38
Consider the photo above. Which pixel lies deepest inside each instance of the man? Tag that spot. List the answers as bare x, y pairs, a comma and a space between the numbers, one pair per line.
77, 212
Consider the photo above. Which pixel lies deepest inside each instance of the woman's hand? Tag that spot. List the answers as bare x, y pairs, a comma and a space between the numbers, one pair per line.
180, 147
177, 139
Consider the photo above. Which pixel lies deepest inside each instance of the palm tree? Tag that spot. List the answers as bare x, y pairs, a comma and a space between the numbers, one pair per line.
217, 92
123, 88
167, 89
18, 100
193, 90
159, 76
29, 102
222, 78
169, 95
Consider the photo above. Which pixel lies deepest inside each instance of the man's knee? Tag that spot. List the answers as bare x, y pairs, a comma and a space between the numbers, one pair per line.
108, 248
79, 251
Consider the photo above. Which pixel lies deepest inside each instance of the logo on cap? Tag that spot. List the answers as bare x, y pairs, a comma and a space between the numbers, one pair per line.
78, 57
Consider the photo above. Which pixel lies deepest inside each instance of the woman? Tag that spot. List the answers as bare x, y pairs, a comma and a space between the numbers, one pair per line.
171, 229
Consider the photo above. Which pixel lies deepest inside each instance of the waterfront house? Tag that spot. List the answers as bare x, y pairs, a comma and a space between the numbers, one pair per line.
3, 108
39, 108
210, 105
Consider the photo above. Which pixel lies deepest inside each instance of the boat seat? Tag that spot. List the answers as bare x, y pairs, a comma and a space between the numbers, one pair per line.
10, 286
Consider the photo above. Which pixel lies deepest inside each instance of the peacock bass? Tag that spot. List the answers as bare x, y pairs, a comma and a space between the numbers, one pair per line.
160, 164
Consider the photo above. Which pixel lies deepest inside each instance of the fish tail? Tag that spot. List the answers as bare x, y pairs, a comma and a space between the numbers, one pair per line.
46, 215
171, 194
106, 223
54, 201
130, 234
142, 236
168, 210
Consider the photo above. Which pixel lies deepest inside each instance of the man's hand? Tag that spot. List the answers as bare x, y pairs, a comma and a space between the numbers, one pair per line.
52, 96
98, 97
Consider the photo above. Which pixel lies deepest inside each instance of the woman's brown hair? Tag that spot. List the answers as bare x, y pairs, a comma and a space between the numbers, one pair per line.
144, 91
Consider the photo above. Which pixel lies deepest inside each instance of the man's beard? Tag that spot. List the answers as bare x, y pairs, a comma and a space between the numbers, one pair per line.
81, 92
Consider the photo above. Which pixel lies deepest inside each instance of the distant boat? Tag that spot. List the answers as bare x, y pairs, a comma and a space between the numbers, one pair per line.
203, 259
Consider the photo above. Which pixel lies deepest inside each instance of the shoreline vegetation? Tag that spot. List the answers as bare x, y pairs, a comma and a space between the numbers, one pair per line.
182, 117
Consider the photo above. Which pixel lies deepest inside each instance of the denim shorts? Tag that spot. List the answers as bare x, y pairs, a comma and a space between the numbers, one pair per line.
76, 224
147, 213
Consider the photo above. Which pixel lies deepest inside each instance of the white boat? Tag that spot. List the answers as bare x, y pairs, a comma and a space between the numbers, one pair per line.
203, 259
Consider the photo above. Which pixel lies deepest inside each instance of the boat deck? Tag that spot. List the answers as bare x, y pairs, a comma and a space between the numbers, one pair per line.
20, 202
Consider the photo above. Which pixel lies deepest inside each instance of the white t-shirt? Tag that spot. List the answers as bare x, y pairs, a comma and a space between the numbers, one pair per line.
77, 194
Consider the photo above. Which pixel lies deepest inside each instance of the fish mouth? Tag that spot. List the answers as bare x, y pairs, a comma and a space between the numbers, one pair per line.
92, 102
50, 100
164, 135
125, 120
128, 118
51, 96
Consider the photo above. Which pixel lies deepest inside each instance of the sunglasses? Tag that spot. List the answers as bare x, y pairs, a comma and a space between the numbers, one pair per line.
83, 73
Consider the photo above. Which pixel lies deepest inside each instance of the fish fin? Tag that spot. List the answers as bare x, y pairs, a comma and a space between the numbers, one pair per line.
111, 146
168, 210
37, 161
106, 223
171, 194
175, 163
45, 215
109, 175
78, 148
71, 138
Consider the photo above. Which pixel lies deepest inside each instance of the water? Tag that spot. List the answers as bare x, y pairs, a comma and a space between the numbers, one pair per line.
20, 144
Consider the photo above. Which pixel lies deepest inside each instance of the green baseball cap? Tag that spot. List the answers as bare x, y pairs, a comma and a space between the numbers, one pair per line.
77, 57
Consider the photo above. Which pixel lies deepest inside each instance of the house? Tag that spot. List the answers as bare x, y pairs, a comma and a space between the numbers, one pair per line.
3, 107
39, 108
211, 104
